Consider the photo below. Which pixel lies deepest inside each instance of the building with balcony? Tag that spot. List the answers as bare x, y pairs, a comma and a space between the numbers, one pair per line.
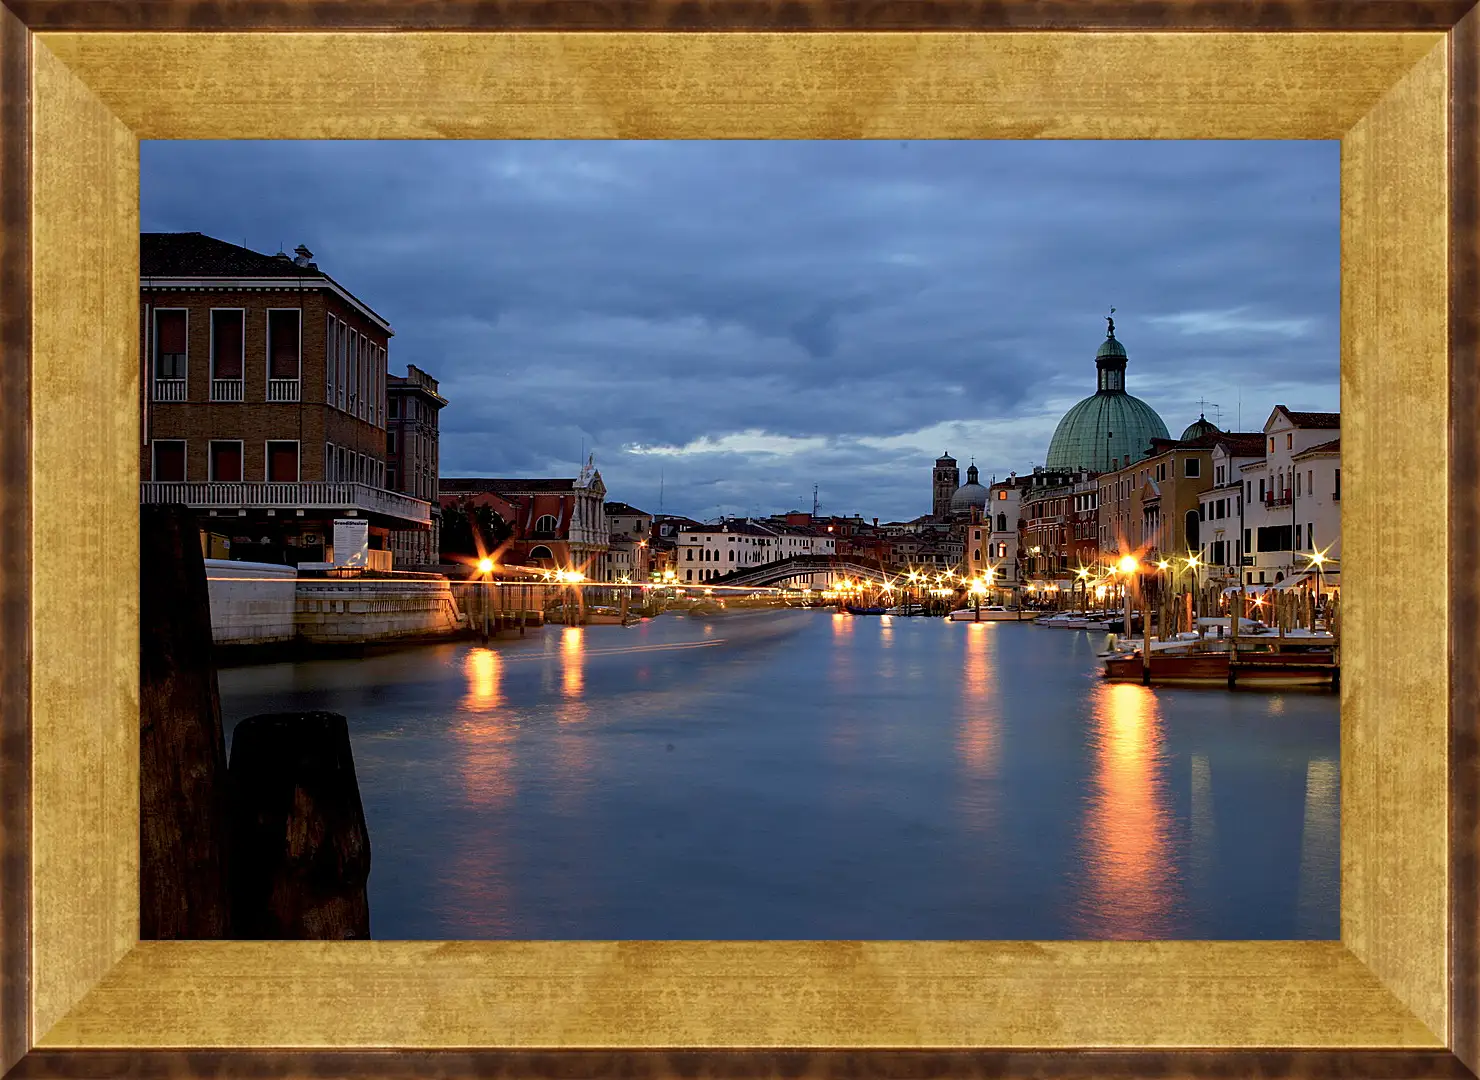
1292, 498
631, 532
705, 552
412, 455
263, 400
1222, 506
1056, 536
557, 523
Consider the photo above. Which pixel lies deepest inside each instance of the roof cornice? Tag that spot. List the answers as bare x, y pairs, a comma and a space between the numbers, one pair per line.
250, 283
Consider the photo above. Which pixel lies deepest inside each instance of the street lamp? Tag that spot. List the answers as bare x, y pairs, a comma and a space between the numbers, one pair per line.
1127, 566
485, 567
1317, 560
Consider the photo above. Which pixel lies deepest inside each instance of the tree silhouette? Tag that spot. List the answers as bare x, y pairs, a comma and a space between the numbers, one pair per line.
473, 531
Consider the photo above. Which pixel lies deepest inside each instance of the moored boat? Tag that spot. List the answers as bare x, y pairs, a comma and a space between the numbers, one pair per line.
1261, 659
987, 613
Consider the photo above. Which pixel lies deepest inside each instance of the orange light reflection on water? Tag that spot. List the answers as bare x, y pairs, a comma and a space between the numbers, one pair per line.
483, 669
1132, 887
486, 739
572, 660
977, 738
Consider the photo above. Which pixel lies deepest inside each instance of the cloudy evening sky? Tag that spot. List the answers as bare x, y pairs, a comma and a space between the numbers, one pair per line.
742, 320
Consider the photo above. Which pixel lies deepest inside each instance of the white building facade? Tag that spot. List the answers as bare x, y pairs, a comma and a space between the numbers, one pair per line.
1221, 508
1002, 511
1292, 498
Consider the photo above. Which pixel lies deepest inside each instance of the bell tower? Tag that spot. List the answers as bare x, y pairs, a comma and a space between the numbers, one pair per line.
947, 478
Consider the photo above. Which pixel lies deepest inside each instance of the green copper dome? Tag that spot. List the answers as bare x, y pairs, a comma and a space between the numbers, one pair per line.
1108, 429
1198, 428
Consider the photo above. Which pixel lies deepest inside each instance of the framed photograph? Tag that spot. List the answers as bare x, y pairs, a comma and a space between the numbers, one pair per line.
1396, 83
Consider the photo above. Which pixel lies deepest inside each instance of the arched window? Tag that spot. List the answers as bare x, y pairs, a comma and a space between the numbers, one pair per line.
1192, 529
1001, 522
732, 554
545, 523
541, 552
977, 554
691, 555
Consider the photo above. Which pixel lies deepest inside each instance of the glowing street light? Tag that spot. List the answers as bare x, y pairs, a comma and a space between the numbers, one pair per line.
485, 566
1127, 564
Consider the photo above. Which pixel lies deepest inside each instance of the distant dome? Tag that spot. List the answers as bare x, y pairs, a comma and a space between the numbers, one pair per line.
1198, 428
969, 495
1108, 428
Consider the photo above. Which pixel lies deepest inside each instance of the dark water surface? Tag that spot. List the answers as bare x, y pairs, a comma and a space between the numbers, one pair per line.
808, 775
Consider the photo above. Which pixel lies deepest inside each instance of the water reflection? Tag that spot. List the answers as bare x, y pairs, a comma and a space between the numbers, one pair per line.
1320, 849
1128, 855
572, 664
485, 741
978, 734
482, 668
1203, 832
608, 782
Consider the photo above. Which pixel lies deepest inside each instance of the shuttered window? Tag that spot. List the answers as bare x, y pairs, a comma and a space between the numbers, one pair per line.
226, 344
282, 344
169, 344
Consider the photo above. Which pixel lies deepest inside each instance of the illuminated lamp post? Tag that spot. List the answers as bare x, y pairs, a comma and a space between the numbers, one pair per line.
485, 567
1128, 566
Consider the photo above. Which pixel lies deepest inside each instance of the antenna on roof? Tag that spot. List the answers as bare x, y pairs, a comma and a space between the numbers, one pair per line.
814, 500
660, 492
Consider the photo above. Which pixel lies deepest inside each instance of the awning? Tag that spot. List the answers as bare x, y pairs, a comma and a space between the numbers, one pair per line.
1297, 581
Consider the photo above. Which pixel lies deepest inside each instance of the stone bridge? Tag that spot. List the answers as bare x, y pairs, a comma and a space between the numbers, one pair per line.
794, 568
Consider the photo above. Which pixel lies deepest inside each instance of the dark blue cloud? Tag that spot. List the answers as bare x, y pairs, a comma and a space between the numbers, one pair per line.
746, 319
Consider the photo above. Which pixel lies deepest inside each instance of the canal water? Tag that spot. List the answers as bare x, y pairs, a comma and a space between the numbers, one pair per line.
802, 774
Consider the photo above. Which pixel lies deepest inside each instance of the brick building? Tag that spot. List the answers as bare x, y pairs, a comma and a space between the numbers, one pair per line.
263, 400
412, 453
558, 524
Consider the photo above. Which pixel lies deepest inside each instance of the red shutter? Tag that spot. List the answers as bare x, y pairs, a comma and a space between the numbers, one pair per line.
171, 329
226, 462
226, 334
169, 461
284, 334
282, 462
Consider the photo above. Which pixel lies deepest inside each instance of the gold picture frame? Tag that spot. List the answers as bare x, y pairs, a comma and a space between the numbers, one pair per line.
1397, 82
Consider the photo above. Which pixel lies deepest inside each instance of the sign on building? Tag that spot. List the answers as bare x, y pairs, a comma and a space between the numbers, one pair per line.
351, 541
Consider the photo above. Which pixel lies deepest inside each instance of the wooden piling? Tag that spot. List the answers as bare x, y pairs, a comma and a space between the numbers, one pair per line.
184, 787
301, 848
1145, 635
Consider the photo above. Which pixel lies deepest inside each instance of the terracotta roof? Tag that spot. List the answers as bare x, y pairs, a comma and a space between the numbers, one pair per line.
1241, 443
1332, 447
466, 485
1313, 419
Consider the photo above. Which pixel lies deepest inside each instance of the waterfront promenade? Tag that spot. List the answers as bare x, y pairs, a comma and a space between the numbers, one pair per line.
809, 775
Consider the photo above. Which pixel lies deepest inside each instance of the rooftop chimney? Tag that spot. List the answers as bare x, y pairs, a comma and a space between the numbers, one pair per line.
304, 255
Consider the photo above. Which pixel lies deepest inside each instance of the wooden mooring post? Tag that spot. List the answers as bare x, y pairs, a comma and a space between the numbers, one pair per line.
301, 848
184, 788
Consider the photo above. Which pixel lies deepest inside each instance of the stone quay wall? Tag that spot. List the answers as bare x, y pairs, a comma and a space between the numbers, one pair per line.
265, 604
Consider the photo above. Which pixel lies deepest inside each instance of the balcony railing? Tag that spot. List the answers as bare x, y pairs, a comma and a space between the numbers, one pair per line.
1279, 500
309, 495
169, 389
226, 389
282, 389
